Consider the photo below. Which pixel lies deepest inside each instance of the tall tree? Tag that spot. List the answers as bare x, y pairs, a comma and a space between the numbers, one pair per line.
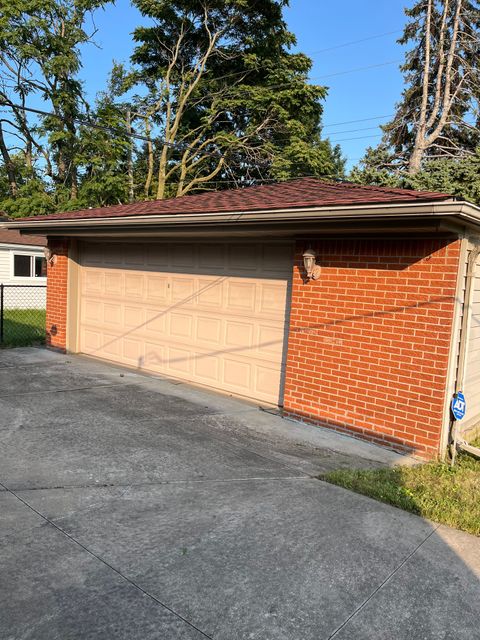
438, 115
40, 56
226, 102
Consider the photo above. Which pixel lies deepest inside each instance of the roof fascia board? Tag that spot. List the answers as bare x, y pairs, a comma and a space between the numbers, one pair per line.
26, 247
463, 210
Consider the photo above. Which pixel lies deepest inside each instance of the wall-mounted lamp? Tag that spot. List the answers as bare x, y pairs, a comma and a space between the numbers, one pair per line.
50, 257
311, 267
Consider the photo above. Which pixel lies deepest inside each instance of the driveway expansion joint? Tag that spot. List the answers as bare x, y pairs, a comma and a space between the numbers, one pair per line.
113, 485
107, 564
44, 391
383, 583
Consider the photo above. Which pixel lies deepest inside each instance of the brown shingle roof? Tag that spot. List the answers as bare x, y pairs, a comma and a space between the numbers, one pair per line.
300, 193
11, 236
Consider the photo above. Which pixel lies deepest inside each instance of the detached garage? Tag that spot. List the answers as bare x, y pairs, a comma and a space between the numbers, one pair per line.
347, 306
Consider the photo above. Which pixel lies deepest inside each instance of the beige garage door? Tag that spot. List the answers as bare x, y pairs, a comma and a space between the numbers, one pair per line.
214, 314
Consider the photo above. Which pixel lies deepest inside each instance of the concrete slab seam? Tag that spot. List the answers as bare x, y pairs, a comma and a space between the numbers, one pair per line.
102, 500
111, 567
155, 483
44, 391
382, 584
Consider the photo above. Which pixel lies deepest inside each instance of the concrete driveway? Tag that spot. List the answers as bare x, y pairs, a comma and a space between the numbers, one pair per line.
138, 508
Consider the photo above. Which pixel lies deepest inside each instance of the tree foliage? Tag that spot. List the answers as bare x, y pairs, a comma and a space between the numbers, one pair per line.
433, 140
438, 113
457, 176
214, 99
227, 102
40, 59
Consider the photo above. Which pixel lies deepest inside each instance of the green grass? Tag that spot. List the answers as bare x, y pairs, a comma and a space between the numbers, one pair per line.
23, 327
437, 491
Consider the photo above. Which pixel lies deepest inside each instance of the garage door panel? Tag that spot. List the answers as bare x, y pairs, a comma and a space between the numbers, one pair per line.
209, 313
156, 321
179, 360
154, 357
134, 286
114, 284
183, 290
237, 374
91, 256
272, 298
207, 368
90, 340
265, 380
111, 344
239, 334
157, 288
243, 258
92, 312
273, 259
134, 316
210, 293
270, 341
94, 282
181, 325
209, 330
211, 256
133, 351
157, 256
241, 296
184, 256
134, 256
112, 314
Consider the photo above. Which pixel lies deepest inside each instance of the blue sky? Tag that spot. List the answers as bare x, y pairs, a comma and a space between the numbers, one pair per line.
321, 29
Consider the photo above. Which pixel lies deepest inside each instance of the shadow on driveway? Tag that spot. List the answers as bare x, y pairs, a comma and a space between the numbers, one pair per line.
129, 511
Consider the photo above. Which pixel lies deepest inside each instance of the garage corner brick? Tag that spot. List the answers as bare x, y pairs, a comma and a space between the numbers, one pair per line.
369, 340
57, 283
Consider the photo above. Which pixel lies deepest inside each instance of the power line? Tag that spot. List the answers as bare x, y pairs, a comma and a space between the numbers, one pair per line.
371, 66
375, 135
352, 42
337, 124
123, 132
83, 121
333, 75
178, 145
336, 133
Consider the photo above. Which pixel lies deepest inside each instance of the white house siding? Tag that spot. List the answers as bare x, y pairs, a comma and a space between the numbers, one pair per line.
472, 365
21, 293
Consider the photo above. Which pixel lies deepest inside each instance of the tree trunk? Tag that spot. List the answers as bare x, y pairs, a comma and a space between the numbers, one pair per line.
131, 193
9, 166
148, 181
162, 171
29, 156
74, 184
415, 162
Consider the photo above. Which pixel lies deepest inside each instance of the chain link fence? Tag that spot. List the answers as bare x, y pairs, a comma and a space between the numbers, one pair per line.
22, 314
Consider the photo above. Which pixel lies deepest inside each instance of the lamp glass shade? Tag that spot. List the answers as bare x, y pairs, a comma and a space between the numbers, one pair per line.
309, 259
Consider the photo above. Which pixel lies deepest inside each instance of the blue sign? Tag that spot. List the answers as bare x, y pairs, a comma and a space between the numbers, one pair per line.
459, 406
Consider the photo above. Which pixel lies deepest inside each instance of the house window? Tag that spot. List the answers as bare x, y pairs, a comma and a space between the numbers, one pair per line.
28, 266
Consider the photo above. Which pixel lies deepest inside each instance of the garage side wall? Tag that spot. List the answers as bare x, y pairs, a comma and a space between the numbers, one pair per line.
369, 340
57, 285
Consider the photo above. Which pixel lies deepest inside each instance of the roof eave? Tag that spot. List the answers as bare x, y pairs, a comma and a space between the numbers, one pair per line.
462, 211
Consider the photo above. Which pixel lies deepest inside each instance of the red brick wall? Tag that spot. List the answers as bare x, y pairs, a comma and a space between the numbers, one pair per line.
57, 274
369, 341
